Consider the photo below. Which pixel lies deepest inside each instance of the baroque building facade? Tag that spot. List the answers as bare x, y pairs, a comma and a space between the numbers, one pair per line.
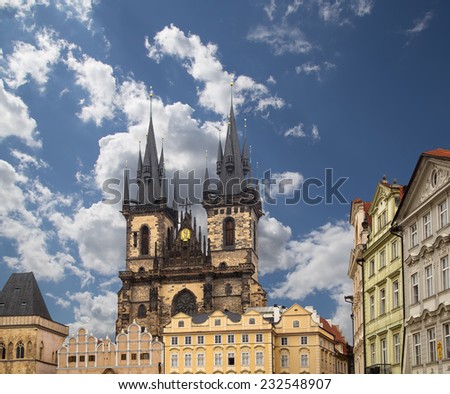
383, 283
423, 221
134, 352
360, 221
29, 338
171, 266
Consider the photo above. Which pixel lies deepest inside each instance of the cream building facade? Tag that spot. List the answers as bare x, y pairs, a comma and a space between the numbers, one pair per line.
423, 220
383, 285
359, 219
29, 338
220, 342
134, 352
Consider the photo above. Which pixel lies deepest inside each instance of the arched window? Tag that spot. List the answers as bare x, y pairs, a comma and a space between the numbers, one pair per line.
2, 351
228, 232
145, 240
20, 350
186, 302
142, 311
30, 349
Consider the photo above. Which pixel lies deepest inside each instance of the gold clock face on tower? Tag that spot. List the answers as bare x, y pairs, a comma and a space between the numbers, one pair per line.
185, 234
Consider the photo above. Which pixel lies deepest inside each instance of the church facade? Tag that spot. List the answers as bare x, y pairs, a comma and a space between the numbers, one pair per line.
171, 266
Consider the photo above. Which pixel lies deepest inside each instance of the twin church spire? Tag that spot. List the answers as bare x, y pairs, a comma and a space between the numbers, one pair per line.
233, 166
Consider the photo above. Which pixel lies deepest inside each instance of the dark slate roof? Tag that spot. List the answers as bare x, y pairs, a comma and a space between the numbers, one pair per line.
201, 318
21, 297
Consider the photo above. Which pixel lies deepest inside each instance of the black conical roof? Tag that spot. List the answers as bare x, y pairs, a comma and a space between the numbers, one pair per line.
21, 296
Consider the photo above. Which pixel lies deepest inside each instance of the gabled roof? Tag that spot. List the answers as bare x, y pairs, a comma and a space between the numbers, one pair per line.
21, 296
439, 153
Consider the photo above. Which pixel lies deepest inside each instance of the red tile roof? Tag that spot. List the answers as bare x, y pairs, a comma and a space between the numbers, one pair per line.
439, 152
336, 332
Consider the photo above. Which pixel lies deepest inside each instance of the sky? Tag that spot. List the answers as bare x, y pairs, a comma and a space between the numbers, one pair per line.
332, 93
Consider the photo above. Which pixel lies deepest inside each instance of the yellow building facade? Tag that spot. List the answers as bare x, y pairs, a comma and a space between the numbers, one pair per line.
383, 294
135, 351
221, 342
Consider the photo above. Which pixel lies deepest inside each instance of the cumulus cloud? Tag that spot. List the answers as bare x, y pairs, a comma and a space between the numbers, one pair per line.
77, 9
97, 79
286, 183
23, 8
315, 262
95, 313
35, 62
201, 62
15, 119
282, 38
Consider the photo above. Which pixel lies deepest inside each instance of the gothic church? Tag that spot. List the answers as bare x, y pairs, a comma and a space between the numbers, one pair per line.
170, 266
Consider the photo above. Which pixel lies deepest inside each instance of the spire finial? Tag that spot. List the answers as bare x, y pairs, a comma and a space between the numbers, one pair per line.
126, 164
206, 157
151, 99
231, 90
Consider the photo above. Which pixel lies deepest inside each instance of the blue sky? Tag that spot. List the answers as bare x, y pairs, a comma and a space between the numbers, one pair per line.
359, 86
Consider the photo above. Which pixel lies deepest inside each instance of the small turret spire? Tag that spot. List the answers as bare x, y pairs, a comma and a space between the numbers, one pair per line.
206, 180
126, 187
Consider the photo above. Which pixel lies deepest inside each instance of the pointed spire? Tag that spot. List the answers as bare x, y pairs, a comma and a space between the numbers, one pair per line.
126, 187
140, 192
206, 181
245, 158
219, 161
150, 167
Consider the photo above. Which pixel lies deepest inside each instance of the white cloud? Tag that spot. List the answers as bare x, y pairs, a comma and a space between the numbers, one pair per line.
15, 119
270, 9
23, 8
362, 7
34, 61
95, 313
293, 7
282, 38
315, 133
26, 160
296, 131
271, 80
315, 262
98, 80
330, 12
308, 68
286, 182
99, 232
420, 24
201, 62
77, 9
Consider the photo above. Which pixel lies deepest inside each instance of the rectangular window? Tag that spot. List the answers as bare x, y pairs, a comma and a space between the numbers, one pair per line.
145, 356
217, 338
244, 338
217, 359
447, 340
443, 218
91, 358
188, 340
174, 360
394, 250
383, 351
259, 357
382, 259
396, 348
415, 288
426, 225
259, 338
230, 338
174, 341
372, 353
372, 267
231, 359
245, 359
414, 236
431, 334
382, 301
284, 341
304, 361
417, 349
395, 298
217, 322
123, 357
82, 359
200, 359
303, 340
200, 340
372, 307
72, 359
188, 360
296, 324
284, 361
133, 356
445, 273
429, 280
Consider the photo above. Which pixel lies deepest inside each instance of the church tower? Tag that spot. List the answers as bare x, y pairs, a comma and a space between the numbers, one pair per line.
171, 266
